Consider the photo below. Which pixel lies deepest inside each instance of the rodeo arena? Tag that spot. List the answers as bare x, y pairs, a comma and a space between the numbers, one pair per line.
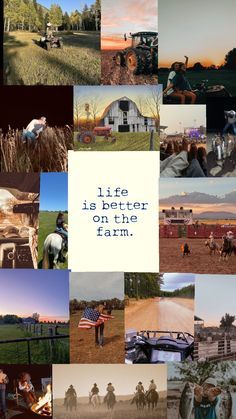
199, 247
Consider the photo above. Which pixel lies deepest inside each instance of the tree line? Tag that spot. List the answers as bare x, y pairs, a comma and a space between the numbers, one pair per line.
28, 15
185, 292
142, 285
14, 319
112, 304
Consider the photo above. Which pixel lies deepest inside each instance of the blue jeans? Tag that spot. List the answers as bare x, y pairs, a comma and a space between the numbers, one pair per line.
28, 135
3, 406
64, 232
227, 126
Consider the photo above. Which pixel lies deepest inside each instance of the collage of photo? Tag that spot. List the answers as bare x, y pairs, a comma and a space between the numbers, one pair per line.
139, 82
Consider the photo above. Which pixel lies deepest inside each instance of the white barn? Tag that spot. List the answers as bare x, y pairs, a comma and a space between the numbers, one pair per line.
123, 115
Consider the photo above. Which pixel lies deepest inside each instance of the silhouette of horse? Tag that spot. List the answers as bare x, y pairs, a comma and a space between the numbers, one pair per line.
140, 400
213, 246
95, 400
70, 403
152, 398
227, 248
110, 400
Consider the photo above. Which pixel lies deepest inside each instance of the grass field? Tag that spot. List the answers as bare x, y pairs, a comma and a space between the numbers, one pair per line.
41, 352
225, 77
131, 141
122, 410
25, 62
82, 342
47, 225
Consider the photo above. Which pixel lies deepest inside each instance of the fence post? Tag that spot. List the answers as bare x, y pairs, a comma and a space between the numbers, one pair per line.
151, 147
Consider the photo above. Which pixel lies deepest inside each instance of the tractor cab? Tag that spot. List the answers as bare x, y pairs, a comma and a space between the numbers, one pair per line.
144, 39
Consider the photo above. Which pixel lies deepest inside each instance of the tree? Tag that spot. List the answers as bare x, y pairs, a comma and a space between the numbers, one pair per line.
55, 16
66, 21
198, 372
230, 59
153, 101
198, 67
227, 322
76, 20
36, 317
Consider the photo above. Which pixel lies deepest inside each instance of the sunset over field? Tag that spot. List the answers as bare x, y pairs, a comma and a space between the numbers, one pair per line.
125, 17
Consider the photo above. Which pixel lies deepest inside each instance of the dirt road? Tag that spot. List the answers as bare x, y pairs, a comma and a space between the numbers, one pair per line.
199, 261
161, 313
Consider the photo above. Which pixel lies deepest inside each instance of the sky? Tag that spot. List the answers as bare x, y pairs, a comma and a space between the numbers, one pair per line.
67, 5
104, 95
176, 117
202, 30
214, 296
53, 191
211, 186
173, 281
25, 291
96, 286
125, 17
82, 378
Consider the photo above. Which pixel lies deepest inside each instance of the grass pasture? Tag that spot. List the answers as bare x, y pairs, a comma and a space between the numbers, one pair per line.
131, 141
42, 352
225, 77
82, 342
26, 63
47, 225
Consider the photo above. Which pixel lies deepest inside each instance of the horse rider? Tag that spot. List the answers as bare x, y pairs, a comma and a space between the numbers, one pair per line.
152, 387
185, 249
49, 30
94, 392
71, 392
61, 227
230, 237
110, 390
211, 237
139, 389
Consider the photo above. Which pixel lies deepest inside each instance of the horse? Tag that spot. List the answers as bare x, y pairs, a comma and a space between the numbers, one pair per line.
227, 248
213, 246
95, 400
139, 399
110, 400
152, 398
53, 251
70, 402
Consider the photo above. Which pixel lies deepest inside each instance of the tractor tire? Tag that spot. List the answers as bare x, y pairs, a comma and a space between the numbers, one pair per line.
134, 61
155, 62
147, 61
119, 59
87, 137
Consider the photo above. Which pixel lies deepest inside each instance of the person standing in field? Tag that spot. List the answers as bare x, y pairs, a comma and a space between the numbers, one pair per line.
34, 128
3, 382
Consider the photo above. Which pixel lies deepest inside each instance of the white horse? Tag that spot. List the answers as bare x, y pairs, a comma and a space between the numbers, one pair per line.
95, 400
53, 248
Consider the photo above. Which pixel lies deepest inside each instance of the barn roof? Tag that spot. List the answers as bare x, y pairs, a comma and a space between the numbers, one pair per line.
106, 110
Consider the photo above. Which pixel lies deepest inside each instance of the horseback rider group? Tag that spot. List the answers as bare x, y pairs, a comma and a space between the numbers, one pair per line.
139, 390
110, 392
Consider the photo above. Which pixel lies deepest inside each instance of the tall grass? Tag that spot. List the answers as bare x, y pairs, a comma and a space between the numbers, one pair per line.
47, 154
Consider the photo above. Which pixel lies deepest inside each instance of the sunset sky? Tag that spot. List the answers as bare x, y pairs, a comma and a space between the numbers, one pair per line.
123, 377
202, 30
105, 95
218, 187
25, 291
223, 288
97, 285
173, 281
124, 16
176, 117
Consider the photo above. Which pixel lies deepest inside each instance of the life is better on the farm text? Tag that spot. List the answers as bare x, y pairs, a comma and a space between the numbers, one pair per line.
113, 213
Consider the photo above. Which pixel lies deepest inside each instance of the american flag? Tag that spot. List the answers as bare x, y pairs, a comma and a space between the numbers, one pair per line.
92, 318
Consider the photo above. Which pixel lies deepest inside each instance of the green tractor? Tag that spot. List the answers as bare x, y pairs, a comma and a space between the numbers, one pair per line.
142, 56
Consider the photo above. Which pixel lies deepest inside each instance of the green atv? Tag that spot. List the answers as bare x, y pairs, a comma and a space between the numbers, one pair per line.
142, 56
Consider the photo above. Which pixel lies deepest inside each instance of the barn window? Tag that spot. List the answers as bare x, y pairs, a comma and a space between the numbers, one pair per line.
111, 120
125, 118
124, 105
145, 121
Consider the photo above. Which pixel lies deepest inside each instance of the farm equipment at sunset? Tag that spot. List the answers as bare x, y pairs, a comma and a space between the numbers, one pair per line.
88, 137
142, 56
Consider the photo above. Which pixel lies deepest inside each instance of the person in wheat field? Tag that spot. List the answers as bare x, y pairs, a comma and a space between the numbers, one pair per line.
34, 128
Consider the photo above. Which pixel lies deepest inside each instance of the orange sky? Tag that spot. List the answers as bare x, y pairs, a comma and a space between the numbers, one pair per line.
125, 17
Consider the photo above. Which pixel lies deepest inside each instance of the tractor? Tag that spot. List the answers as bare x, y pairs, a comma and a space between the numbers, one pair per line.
142, 56
88, 137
